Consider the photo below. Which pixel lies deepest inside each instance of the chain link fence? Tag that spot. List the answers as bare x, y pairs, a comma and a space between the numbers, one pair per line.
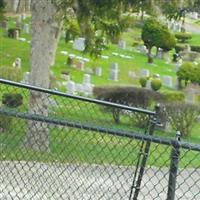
58, 146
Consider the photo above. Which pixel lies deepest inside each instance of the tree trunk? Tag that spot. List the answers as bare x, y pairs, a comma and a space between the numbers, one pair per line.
46, 27
150, 58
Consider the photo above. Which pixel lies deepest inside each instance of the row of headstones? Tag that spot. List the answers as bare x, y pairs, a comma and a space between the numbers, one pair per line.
85, 88
167, 80
79, 44
114, 69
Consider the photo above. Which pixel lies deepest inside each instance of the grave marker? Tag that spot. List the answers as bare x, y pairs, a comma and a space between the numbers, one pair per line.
167, 81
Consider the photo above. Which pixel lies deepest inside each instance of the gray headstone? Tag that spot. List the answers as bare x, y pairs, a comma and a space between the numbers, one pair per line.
160, 53
71, 87
114, 72
144, 72
79, 44
122, 44
114, 75
168, 81
98, 71
26, 29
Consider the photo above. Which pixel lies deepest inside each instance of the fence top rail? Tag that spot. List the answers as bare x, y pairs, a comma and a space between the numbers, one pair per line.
110, 131
86, 99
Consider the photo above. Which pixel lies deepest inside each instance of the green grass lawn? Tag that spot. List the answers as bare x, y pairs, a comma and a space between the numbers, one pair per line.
76, 145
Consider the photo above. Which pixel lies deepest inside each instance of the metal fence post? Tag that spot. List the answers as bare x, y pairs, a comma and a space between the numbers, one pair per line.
145, 153
175, 154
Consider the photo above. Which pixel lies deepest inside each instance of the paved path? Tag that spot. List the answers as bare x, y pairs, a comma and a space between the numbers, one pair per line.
37, 181
192, 28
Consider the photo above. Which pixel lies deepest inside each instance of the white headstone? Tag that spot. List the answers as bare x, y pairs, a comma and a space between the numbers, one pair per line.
148, 85
143, 49
122, 44
79, 44
26, 29
144, 72
132, 74
98, 71
114, 75
114, 71
87, 79
167, 81
17, 63
71, 87
114, 66
160, 53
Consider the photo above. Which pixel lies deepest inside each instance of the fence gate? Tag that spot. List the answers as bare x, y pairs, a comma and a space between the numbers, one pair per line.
59, 146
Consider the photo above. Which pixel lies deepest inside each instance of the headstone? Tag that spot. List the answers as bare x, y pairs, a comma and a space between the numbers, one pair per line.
89, 71
4, 24
66, 77
160, 53
87, 79
148, 85
115, 66
178, 65
132, 74
190, 96
144, 72
71, 87
98, 71
26, 78
88, 89
17, 63
194, 15
70, 60
122, 44
114, 71
167, 81
18, 24
26, 29
79, 88
104, 57
156, 76
142, 49
80, 65
79, 44
23, 16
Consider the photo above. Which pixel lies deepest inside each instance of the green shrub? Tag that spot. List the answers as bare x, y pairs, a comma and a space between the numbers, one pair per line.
12, 100
195, 48
156, 84
185, 72
143, 82
183, 37
169, 97
179, 47
130, 96
182, 116
11, 73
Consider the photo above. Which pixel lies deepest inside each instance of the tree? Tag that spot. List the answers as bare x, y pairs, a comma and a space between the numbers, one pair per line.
185, 72
158, 35
2, 6
96, 19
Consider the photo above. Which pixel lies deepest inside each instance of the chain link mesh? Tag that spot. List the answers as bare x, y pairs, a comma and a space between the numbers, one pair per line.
89, 155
